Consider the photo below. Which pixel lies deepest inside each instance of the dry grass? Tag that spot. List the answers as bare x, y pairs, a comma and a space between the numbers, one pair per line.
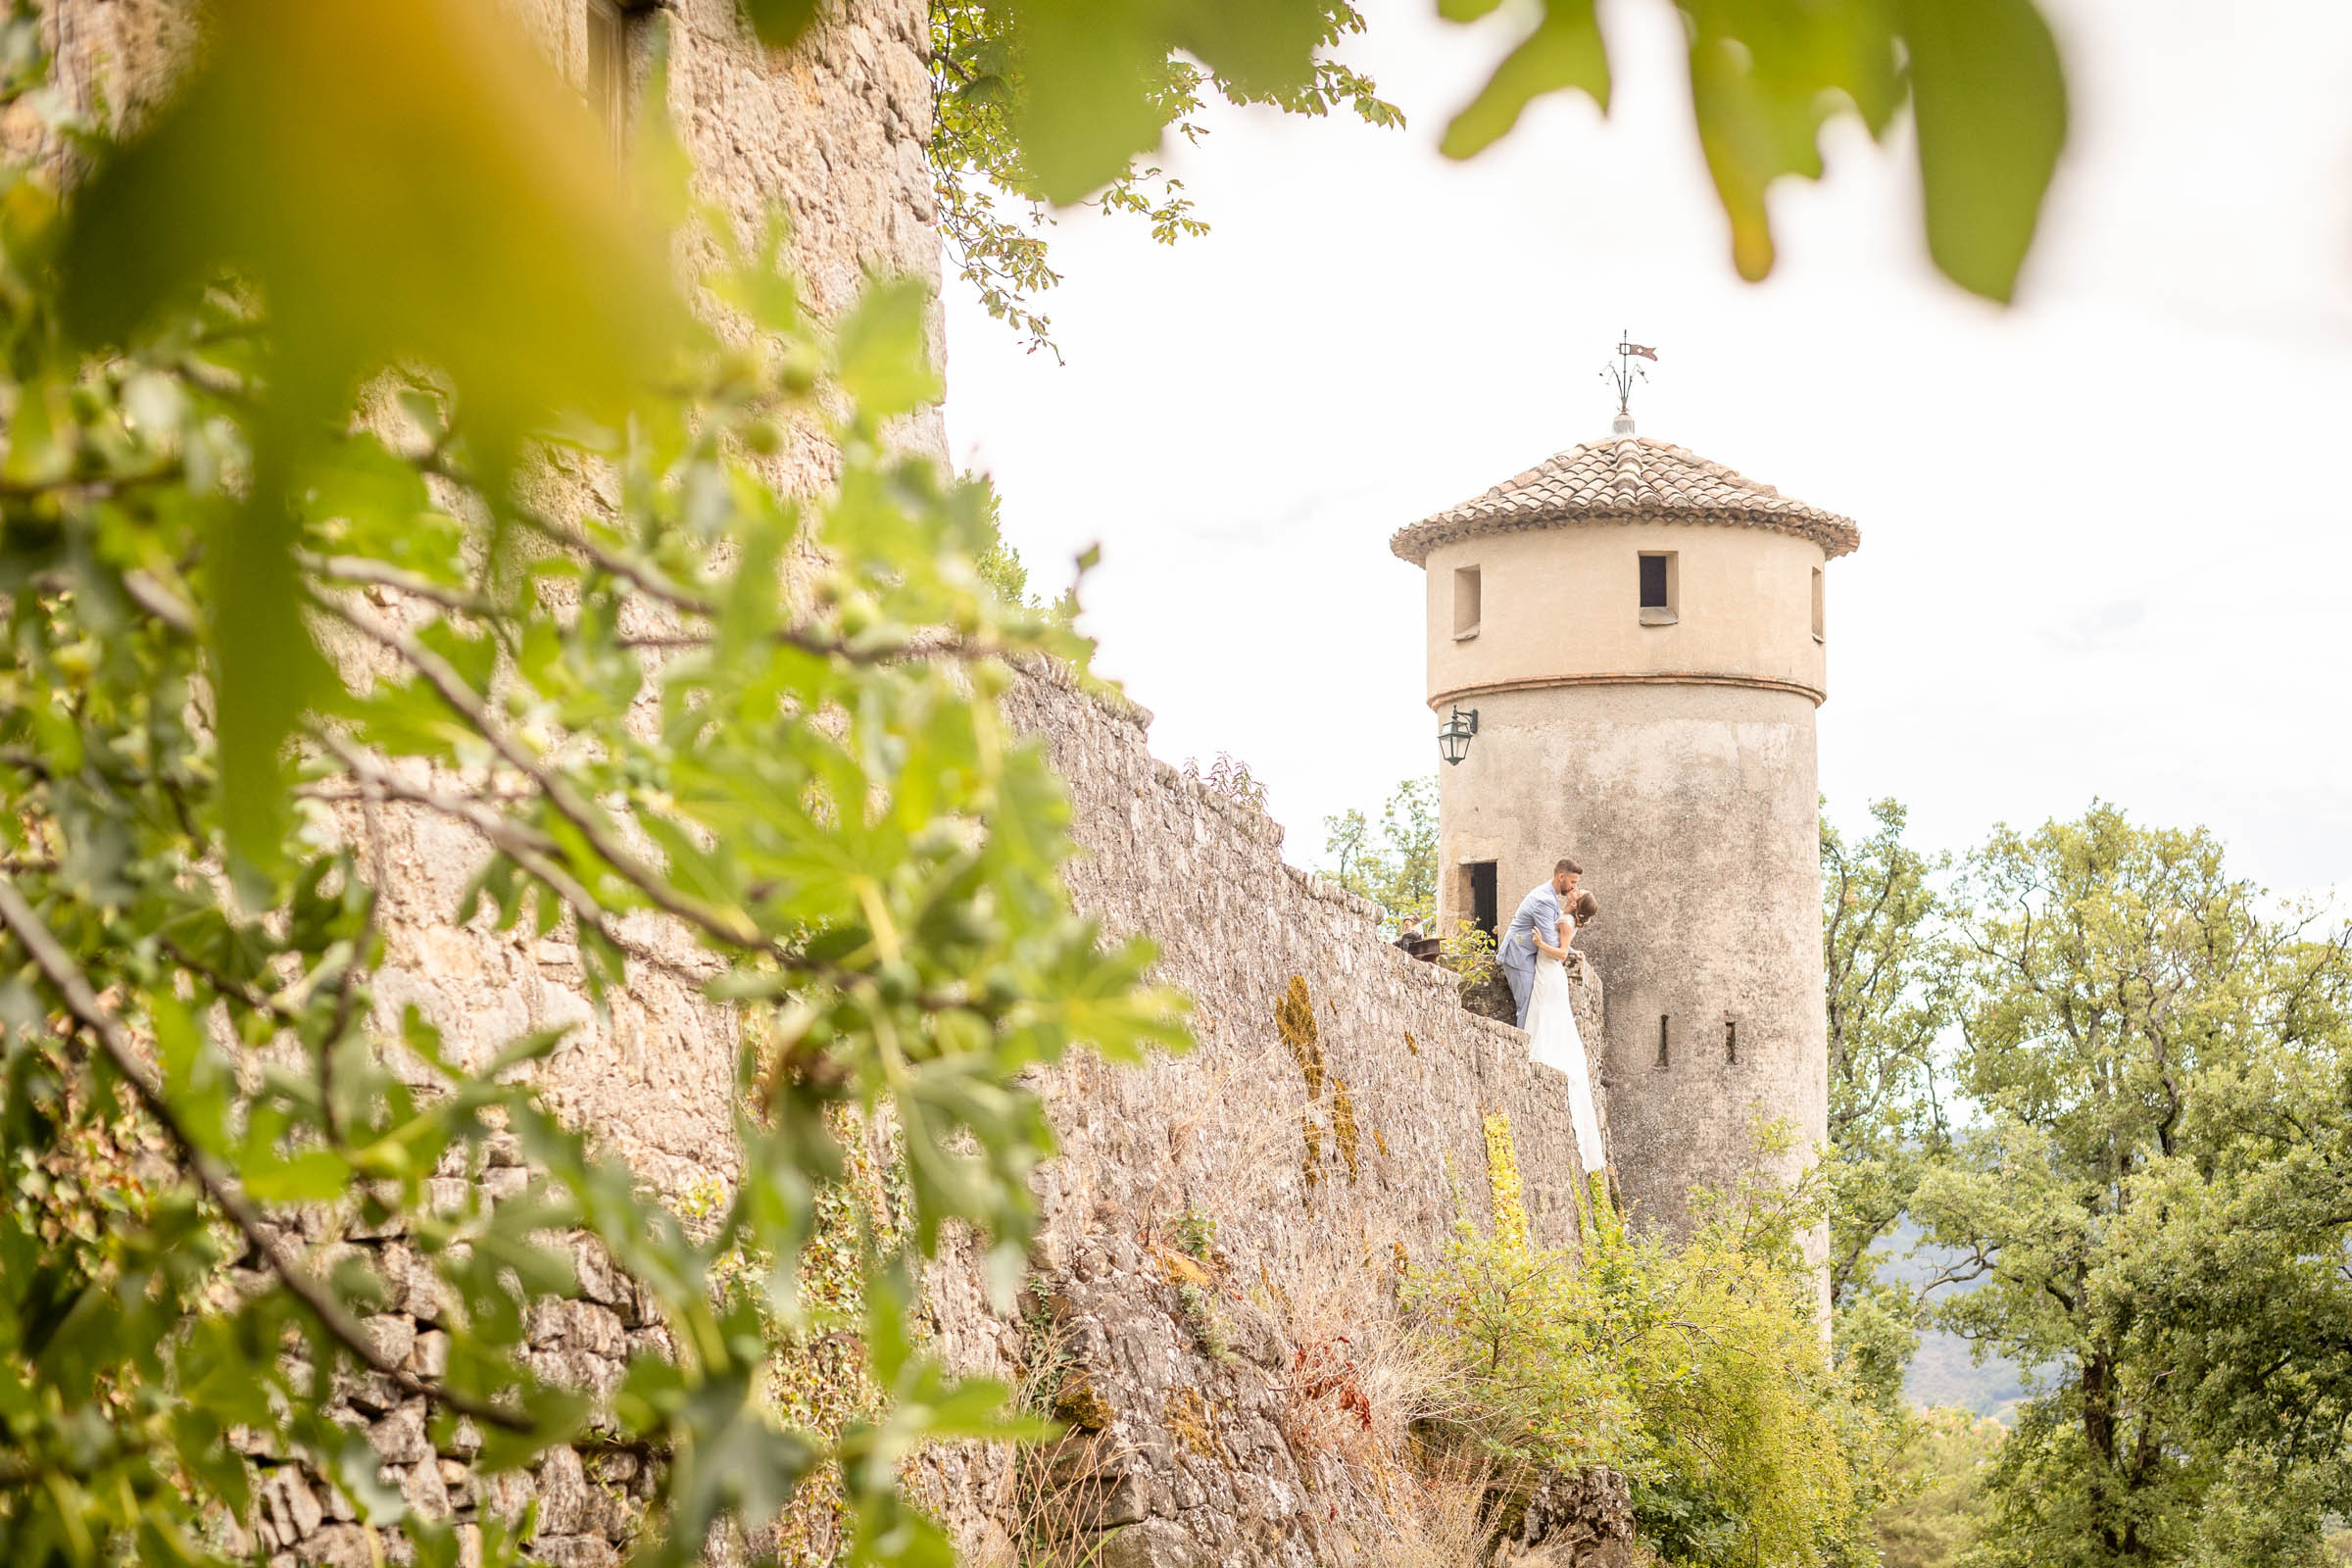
1441, 1516
1053, 1505
1361, 1377
1053, 1521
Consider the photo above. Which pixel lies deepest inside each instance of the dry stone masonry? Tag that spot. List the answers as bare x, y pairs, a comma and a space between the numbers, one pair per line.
588, 1506
1225, 1232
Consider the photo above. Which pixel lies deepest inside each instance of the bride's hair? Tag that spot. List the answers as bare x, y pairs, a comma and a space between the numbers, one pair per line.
1586, 908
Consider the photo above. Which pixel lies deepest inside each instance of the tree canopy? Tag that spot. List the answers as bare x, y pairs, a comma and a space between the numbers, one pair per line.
2130, 1156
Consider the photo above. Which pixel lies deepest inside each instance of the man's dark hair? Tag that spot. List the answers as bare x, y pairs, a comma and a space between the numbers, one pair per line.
1569, 866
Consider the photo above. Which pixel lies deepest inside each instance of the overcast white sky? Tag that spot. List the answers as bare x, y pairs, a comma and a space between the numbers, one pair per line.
2105, 533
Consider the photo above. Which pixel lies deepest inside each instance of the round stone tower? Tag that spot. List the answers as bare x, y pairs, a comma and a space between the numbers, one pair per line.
1640, 633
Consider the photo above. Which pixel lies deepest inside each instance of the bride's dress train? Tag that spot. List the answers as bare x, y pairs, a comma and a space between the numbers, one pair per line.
1553, 1040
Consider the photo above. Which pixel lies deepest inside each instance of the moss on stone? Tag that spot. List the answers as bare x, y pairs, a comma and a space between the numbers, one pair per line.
1187, 1417
1080, 1403
1295, 1021
1343, 1125
1502, 1181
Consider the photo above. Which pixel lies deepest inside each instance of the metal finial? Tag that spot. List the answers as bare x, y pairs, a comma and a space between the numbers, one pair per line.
1623, 375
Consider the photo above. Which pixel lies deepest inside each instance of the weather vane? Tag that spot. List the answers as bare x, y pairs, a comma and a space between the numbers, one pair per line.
1623, 372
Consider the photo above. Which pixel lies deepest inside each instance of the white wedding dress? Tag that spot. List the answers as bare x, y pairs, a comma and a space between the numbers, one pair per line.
1553, 1040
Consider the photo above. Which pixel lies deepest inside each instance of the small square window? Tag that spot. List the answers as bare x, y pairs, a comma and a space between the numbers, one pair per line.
1658, 588
1466, 602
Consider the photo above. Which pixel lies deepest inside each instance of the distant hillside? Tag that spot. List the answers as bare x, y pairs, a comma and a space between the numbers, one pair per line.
1943, 1372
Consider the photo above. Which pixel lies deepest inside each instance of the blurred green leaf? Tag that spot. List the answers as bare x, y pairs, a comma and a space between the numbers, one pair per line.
1985, 82
1989, 96
883, 361
1564, 51
781, 24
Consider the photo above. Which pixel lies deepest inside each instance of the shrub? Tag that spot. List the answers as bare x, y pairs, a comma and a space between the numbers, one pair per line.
1468, 952
1700, 1369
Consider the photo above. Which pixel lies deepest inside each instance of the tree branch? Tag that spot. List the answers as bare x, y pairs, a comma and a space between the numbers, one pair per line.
65, 977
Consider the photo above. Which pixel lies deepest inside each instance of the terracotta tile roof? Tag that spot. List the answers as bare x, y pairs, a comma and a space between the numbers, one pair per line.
1626, 478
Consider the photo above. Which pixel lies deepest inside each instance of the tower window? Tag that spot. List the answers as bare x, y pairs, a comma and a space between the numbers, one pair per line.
1731, 1040
613, 25
1658, 585
1465, 602
1662, 1040
1817, 607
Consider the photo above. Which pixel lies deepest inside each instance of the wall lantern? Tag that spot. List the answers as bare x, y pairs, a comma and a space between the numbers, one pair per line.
1453, 741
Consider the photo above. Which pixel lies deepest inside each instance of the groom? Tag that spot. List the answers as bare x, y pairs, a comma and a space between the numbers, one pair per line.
1539, 912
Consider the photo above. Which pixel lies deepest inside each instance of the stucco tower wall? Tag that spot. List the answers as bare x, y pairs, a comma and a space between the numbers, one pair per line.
1693, 810
1563, 604
1674, 758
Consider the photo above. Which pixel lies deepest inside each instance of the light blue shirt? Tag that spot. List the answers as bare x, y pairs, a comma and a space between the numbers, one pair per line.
1539, 912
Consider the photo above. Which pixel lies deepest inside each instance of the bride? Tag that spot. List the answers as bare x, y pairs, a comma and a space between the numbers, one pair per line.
1551, 1028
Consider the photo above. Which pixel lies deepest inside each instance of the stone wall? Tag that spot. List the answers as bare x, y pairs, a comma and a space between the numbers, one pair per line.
1214, 1307
833, 135
1220, 1129
590, 1504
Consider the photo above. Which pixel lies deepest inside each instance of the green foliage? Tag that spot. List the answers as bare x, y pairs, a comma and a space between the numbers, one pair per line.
1400, 871
1051, 103
1983, 81
1038, 102
1890, 997
1469, 953
1698, 1369
1943, 1504
527, 285
1200, 1315
1000, 566
1195, 1233
795, 797
2153, 1198
1230, 777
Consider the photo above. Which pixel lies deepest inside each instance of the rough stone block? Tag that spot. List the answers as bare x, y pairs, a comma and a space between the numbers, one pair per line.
428, 1495
501, 1182
464, 1439
506, 1494
341, 1546
595, 1329
599, 1280
370, 1394
292, 1504
428, 1357
546, 1322
575, 1551
393, 1334
563, 1492
400, 1437
1151, 1543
